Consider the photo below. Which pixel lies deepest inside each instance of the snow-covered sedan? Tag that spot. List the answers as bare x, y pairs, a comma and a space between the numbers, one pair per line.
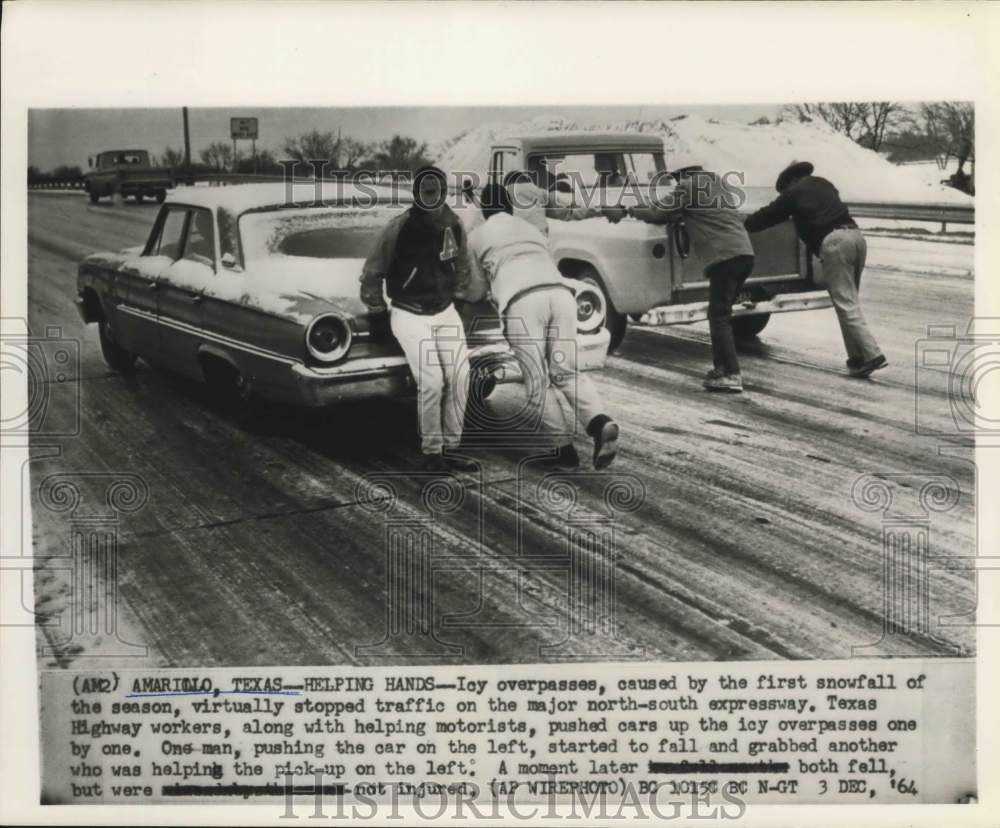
254, 290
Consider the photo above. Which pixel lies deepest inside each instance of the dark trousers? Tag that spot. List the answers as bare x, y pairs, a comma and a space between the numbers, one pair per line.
725, 280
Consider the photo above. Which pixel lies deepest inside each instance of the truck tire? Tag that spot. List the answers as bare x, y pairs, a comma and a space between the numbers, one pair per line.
161, 196
117, 358
137, 197
94, 197
615, 322
747, 327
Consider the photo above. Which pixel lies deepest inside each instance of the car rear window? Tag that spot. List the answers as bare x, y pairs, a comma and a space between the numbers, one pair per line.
317, 233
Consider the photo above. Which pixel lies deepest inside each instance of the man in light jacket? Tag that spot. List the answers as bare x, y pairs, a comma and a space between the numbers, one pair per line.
538, 308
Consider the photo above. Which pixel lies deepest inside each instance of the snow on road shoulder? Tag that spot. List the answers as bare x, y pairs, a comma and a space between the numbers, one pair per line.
760, 151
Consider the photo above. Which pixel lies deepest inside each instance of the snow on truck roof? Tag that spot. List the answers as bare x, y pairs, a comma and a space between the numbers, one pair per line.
241, 198
586, 138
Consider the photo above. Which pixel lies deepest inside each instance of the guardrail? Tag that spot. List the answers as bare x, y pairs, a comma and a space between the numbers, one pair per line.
944, 213
903, 211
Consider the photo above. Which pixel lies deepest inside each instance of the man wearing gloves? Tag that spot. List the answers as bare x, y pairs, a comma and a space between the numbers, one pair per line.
824, 224
538, 309
422, 258
710, 213
537, 205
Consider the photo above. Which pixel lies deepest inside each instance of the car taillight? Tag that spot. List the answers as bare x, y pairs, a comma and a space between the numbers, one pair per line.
590, 310
328, 337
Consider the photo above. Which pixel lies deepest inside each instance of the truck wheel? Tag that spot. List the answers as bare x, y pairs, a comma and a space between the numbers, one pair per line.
161, 196
747, 327
115, 355
137, 197
94, 197
615, 322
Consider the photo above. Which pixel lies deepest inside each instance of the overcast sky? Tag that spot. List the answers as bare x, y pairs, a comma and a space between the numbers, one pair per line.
69, 136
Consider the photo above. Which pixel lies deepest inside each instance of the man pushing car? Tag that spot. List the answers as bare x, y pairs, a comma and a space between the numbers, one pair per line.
511, 258
422, 257
824, 223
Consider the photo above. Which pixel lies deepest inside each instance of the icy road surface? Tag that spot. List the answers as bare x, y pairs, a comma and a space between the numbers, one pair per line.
732, 518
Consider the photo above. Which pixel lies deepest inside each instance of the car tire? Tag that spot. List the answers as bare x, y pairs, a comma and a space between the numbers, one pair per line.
161, 196
117, 358
229, 389
747, 327
615, 322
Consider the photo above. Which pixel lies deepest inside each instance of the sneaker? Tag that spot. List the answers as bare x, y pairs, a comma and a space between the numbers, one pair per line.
434, 463
866, 368
605, 431
732, 383
566, 458
455, 462
715, 373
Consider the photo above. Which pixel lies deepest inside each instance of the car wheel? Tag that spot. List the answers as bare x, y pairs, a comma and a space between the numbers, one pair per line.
615, 322
228, 388
161, 196
747, 327
117, 358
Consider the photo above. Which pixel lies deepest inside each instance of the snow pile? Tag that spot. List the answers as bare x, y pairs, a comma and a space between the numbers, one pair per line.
760, 151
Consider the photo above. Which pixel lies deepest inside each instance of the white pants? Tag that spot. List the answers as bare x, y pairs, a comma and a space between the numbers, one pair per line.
436, 352
541, 329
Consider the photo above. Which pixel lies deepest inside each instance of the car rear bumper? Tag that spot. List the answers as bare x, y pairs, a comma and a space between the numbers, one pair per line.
698, 311
374, 377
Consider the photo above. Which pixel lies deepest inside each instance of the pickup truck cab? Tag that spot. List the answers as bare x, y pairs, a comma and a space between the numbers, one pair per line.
643, 271
129, 173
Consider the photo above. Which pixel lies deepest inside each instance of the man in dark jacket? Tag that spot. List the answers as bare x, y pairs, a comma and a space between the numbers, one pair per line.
824, 224
422, 258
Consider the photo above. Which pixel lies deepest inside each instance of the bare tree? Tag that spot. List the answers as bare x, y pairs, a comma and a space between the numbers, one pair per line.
353, 154
952, 125
218, 155
401, 153
864, 122
172, 157
313, 146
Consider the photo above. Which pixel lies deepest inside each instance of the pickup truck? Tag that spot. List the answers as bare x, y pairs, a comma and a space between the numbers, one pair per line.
129, 173
643, 271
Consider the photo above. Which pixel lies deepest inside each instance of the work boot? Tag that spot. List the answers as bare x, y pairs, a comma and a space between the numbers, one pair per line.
866, 368
732, 383
605, 432
566, 458
853, 363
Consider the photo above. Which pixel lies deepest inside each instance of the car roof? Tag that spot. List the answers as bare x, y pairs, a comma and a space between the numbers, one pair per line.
241, 198
588, 139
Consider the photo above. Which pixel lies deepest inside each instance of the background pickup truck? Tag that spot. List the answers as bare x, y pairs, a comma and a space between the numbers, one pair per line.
644, 271
129, 173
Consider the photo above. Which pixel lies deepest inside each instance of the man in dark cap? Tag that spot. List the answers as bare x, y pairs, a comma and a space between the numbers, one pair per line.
824, 224
422, 258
